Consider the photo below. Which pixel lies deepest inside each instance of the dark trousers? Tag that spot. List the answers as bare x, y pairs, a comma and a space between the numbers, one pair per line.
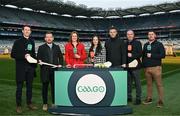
45, 87
134, 75
29, 75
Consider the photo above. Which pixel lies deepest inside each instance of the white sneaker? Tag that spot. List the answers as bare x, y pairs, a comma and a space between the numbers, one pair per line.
45, 107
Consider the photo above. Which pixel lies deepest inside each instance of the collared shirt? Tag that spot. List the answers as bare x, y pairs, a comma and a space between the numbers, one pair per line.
50, 45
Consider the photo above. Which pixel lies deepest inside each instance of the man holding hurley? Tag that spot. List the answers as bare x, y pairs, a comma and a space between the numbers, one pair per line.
134, 52
25, 71
49, 53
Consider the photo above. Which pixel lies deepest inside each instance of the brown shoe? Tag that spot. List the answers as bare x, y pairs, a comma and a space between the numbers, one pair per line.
160, 104
32, 107
147, 101
19, 109
53, 105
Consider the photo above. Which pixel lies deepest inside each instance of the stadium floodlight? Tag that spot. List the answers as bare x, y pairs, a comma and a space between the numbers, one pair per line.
53, 13
11, 6
112, 17
127, 16
145, 14
81, 16
28, 9
41, 11
158, 13
173, 11
66, 15
96, 17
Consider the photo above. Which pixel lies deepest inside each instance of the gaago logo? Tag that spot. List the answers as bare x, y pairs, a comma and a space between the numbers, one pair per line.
91, 89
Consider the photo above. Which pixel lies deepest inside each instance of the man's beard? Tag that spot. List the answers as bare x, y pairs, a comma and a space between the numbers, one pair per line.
151, 39
49, 42
113, 37
26, 36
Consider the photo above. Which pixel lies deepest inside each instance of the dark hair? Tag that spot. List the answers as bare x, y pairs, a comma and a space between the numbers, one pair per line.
156, 37
112, 27
26, 26
74, 32
49, 33
152, 31
99, 46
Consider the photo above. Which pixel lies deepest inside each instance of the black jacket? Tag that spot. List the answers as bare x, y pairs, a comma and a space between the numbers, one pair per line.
44, 54
21, 47
115, 51
136, 52
157, 53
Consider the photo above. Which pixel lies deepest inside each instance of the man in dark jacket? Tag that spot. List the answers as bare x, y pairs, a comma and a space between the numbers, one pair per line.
49, 53
24, 70
134, 52
115, 49
153, 52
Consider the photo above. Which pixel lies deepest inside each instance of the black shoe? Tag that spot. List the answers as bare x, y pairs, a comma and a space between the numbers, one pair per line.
32, 107
138, 102
129, 99
147, 101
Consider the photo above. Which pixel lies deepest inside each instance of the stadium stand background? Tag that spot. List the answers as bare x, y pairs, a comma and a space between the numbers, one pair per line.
166, 23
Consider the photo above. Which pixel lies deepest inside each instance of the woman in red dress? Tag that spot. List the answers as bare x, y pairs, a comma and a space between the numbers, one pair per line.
74, 51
